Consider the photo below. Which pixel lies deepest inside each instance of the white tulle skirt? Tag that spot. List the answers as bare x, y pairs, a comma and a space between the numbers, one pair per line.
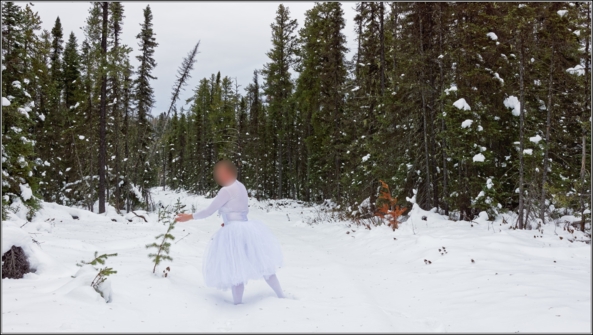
240, 251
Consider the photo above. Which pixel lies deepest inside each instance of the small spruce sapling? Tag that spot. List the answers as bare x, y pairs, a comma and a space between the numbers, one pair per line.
103, 272
387, 208
178, 207
97, 260
167, 216
100, 278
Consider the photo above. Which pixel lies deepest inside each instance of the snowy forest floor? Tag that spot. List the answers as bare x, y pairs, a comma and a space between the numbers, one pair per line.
362, 281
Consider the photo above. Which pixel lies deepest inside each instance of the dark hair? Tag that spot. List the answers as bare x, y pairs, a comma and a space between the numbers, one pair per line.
230, 166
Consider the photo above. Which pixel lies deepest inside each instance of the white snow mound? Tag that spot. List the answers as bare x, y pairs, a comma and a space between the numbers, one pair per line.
26, 192
535, 139
462, 104
513, 103
467, 123
479, 158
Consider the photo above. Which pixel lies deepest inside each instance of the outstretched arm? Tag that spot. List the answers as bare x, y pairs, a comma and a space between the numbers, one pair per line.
221, 198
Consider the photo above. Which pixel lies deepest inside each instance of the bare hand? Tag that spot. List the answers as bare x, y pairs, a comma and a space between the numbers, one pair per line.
183, 217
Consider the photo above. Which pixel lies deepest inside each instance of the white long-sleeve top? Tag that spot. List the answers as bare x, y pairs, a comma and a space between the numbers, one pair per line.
231, 203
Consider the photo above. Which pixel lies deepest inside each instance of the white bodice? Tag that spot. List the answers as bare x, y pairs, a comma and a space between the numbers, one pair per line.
231, 202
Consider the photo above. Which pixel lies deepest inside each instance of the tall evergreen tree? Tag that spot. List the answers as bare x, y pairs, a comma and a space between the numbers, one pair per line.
320, 96
18, 115
57, 49
279, 89
71, 72
103, 115
144, 96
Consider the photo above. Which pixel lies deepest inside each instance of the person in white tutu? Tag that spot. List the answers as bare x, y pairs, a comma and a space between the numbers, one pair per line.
242, 249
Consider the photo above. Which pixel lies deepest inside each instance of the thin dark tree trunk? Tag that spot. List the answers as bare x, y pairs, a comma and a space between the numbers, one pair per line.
308, 132
584, 136
522, 223
427, 196
359, 40
395, 13
547, 148
126, 157
280, 127
443, 127
90, 196
116, 111
164, 180
102, 126
280, 165
382, 39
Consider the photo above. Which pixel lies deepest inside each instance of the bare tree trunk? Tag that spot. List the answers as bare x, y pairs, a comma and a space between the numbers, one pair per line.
583, 169
117, 112
443, 128
424, 116
522, 223
382, 39
126, 144
395, 14
359, 39
90, 196
164, 169
586, 110
280, 165
547, 149
308, 132
102, 126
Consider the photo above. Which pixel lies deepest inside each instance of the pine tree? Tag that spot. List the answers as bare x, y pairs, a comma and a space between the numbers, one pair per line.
117, 57
254, 154
278, 89
57, 49
18, 115
71, 72
223, 119
365, 104
86, 148
183, 75
72, 122
55, 119
42, 95
320, 96
127, 130
103, 116
584, 29
200, 136
144, 96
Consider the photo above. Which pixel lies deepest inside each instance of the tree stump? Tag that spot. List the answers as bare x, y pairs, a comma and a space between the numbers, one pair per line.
15, 263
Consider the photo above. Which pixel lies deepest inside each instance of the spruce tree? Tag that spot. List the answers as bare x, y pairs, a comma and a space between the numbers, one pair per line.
144, 96
71, 72
18, 115
57, 49
117, 56
320, 96
254, 152
103, 111
279, 89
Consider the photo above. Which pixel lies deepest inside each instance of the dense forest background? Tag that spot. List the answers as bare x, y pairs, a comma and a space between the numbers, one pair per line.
473, 106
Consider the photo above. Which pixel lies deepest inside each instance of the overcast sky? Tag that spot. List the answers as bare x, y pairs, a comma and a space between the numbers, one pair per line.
235, 36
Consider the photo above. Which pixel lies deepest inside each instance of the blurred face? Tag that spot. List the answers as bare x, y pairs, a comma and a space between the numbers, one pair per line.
223, 176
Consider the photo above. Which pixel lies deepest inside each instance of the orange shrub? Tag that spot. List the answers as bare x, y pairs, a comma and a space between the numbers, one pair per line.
387, 208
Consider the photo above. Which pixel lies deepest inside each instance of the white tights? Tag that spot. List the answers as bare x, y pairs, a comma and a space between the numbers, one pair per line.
271, 280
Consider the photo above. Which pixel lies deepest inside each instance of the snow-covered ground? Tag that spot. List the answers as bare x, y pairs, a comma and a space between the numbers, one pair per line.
338, 278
